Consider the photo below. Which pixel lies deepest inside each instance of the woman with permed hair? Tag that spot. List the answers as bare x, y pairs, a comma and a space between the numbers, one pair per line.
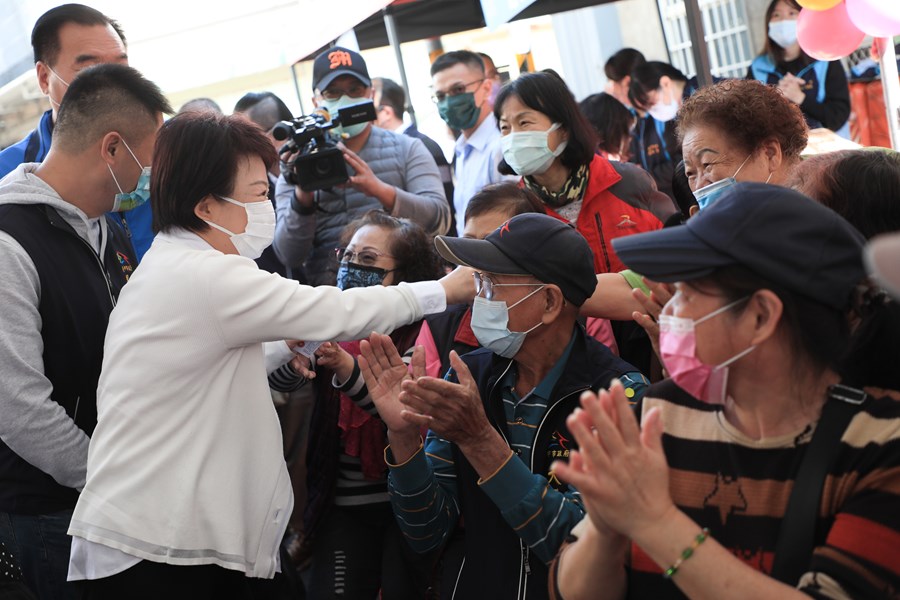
738, 130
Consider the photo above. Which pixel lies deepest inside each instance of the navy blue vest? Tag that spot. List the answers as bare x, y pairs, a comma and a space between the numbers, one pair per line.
77, 296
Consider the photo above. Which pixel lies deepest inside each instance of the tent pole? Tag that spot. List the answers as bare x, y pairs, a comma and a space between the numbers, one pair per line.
390, 26
698, 42
891, 84
297, 86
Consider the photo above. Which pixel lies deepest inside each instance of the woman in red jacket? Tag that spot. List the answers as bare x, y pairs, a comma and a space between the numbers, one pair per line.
549, 143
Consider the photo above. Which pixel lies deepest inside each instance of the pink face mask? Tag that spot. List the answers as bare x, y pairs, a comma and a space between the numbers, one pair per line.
678, 349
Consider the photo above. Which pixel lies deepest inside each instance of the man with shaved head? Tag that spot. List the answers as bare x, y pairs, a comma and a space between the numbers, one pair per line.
63, 263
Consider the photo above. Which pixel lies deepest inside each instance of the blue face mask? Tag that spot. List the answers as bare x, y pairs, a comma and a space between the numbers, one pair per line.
334, 106
140, 194
489, 324
710, 193
351, 275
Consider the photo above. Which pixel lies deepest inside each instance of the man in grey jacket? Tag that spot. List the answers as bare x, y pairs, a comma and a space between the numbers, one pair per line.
62, 263
391, 172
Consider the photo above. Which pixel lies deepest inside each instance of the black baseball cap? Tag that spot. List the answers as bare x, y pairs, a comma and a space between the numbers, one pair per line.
338, 61
533, 244
781, 235
882, 259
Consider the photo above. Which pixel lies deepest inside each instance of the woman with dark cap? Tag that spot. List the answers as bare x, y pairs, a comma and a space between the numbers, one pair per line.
765, 467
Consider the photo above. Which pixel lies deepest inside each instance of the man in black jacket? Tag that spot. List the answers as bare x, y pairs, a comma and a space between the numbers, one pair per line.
63, 263
498, 422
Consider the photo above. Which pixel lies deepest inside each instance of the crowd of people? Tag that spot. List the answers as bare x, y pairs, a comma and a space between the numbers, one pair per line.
632, 347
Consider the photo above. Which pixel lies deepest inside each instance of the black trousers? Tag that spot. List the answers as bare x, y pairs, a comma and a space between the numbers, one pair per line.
148, 580
360, 551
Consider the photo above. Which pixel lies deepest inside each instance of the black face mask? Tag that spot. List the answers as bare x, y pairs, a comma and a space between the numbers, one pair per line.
351, 275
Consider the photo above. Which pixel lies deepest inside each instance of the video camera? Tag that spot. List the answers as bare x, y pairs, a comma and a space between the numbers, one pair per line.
318, 163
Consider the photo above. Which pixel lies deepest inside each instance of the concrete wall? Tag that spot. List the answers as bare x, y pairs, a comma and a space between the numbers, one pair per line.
641, 29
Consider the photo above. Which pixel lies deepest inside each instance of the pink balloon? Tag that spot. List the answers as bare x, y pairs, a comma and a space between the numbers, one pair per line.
828, 34
879, 18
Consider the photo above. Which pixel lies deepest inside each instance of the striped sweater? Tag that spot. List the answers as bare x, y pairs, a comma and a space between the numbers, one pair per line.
739, 489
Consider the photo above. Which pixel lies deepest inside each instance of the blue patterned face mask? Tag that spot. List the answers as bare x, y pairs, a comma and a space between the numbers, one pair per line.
710, 193
351, 275
140, 195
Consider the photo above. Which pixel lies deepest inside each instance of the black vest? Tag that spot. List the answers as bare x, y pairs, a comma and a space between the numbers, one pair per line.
77, 296
497, 564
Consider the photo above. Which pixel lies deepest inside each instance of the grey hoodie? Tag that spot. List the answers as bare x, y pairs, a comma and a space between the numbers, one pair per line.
32, 425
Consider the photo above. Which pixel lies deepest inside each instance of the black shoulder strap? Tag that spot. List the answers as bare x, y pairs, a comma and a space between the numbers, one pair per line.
33, 147
797, 537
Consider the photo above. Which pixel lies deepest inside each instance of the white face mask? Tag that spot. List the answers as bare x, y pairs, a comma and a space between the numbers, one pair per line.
260, 230
783, 33
664, 111
528, 152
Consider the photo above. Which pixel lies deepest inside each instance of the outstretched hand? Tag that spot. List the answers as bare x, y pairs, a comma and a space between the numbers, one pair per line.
620, 469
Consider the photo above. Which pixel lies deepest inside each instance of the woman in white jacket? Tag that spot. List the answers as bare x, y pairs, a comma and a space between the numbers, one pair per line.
187, 493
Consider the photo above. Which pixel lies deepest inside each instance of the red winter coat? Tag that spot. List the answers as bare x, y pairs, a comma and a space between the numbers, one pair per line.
620, 199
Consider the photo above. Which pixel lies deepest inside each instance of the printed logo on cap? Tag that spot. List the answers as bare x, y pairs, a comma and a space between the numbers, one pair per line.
340, 58
504, 227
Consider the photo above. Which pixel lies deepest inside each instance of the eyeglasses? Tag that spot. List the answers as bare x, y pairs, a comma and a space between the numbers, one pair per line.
366, 257
484, 285
357, 90
456, 90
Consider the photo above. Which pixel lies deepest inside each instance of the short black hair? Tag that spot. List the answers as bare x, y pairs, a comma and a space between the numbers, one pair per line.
645, 78
547, 93
200, 105
457, 57
263, 108
504, 197
45, 35
197, 155
610, 119
104, 98
622, 63
393, 95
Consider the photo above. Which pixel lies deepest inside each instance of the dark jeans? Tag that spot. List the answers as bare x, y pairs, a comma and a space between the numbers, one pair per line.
148, 580
361, 550
40, 545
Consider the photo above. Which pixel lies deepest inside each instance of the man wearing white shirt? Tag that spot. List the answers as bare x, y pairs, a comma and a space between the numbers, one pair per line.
462, 94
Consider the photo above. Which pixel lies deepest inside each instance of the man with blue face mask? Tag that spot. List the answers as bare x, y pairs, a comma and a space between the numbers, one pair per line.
389, 171
498, 420
63, 262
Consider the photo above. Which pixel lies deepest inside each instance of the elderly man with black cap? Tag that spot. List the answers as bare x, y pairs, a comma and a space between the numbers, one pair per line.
766, 467
390, 171
498, 419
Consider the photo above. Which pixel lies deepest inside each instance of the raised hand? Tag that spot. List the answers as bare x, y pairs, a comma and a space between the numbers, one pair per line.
619, 468
384, 371
660, 294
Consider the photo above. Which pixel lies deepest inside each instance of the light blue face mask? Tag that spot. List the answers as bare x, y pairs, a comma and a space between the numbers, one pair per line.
489, 324
334, 106
710, 193
141, 194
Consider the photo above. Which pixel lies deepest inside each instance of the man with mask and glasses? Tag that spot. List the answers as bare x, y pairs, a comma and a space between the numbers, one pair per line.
389, 171
498, 420
462, 92
65, 40
63, 264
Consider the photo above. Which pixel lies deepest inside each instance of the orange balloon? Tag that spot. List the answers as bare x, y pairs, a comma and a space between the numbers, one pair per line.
819, 4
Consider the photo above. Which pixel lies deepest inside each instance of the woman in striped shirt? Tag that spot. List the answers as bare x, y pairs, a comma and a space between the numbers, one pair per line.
770, 293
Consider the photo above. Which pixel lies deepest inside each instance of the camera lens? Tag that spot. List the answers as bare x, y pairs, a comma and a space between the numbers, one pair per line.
323, 167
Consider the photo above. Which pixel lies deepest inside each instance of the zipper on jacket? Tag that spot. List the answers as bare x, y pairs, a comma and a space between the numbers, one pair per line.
103, 270
603, 243
125, 225
458, 577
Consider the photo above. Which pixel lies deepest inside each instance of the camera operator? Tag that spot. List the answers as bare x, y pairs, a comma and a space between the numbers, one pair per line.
388, 171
